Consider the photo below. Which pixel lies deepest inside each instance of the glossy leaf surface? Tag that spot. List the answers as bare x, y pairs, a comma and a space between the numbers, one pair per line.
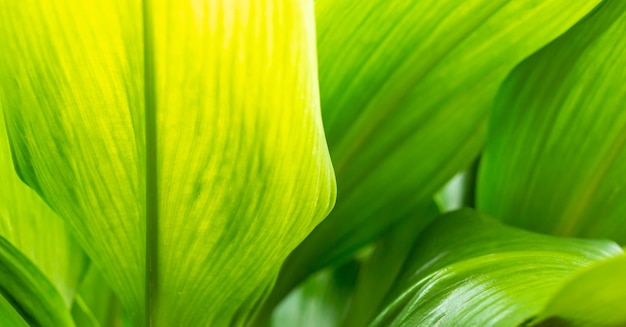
381, 268
181, 140
593, 297
468, 269
406, 89
554, 161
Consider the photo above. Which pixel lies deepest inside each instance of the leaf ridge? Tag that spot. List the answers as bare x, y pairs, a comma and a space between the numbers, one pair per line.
151, 183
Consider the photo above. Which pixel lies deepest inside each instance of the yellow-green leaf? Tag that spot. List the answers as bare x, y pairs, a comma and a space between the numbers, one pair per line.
593, 297
95, 304
181, 140
36, 231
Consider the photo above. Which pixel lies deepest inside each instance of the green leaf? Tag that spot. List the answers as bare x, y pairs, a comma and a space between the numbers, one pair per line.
406, 89
322, 300
40, 252
82, 315
382, 267
8, 315
593, 297
554, 159
29, 291
468, 269
35, 230
181, 140
95, 304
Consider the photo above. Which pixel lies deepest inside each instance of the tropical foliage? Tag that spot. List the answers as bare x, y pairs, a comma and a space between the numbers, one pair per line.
313, 163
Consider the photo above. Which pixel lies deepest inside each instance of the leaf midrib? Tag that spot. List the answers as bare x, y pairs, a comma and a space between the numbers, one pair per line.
150, 128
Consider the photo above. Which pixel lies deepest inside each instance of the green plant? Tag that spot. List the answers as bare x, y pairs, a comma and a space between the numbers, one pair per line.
179, 174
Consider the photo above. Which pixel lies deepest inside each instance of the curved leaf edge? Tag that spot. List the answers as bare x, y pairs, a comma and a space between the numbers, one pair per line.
27, 289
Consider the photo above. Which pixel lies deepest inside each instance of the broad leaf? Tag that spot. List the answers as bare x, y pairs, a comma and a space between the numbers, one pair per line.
322, 300
406, 90
593, 297
8, 315
555, 157
95, 303
468, 269
353, 293
382, 267
181, 140
31, 294
36, 231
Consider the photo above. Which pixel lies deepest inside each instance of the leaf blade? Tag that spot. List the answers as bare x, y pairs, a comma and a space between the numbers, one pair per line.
243, 171
466, 268
382, 267
555, 153
29, 291
392, 79
602, 290
8, 315
35, 230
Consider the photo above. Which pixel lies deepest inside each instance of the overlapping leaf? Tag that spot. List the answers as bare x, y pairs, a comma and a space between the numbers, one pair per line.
593, 297
181, 140
555, 157
406, 90
9, 316
95, 304
320, 301
37, 233
468, 269
32, 295
381, 268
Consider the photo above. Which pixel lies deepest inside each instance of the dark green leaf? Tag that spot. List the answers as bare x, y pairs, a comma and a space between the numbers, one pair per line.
8, 315
29, 291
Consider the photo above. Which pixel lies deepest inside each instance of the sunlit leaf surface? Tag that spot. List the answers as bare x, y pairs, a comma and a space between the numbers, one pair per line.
555, 157
593, 297
406, 89
181, 140
95, 304
467, 269
33, 229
